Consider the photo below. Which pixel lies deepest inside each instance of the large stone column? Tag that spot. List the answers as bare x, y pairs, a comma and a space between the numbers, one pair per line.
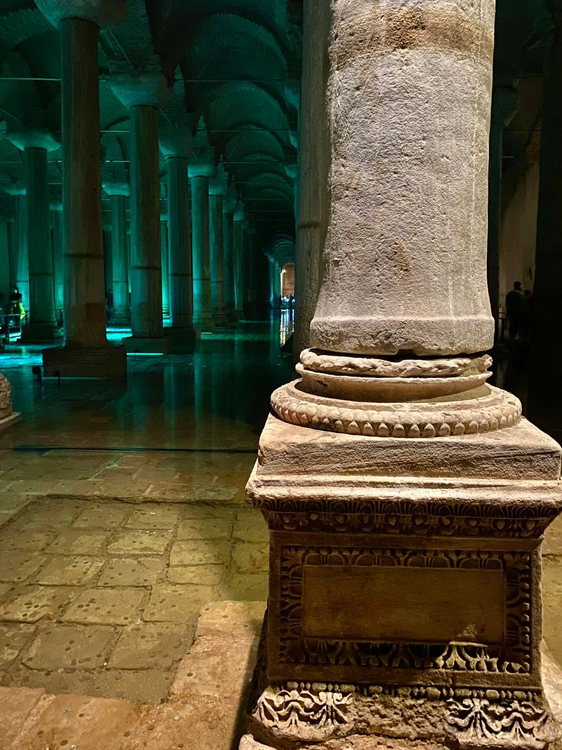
41, 324
119, 192
405, 497
86, 351
228, 208
217, 189
19, 238
238, 230
176, 146
202, 312
143, 96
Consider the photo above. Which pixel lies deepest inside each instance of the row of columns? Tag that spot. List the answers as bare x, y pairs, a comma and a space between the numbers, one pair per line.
202, 284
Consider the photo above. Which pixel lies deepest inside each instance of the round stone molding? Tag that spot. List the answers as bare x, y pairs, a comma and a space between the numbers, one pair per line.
488, 409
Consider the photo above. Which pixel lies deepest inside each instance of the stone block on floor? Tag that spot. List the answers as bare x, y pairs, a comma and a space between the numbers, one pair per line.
69, 647
107, 606
151, 646
132, 571
139, 542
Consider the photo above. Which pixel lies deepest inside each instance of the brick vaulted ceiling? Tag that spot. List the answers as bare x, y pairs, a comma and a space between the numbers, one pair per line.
233, 68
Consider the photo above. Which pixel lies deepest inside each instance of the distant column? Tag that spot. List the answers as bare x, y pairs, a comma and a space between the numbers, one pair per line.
58, 256
176, 146
19, 241
228, 207
217, 189
119, 193
165, 259
143, 95
238, 220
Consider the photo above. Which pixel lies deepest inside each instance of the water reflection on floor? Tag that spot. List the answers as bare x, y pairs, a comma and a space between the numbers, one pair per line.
216, 398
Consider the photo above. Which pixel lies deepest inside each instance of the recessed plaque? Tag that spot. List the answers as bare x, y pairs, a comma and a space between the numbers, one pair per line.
404, 604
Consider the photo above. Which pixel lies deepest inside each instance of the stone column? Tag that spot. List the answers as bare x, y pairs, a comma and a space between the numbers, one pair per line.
217, 189
143, 95
41, 323
86, 351
504, 101
274, 284
119, 193
164, 256
176, 146
58, 256
249, 274
228, 207
202, 313
314, 164
21, 260
406, 499
238, 221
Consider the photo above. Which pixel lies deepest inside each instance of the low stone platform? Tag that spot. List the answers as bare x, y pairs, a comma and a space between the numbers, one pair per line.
203, 711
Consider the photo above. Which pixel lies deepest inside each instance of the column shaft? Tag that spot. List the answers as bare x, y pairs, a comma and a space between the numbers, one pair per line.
202, 314
217, 259
228, 264
58, 259
42, 323
22, 254
120, 260
238, 258
181, 260
165, 259
84, 312
146, 268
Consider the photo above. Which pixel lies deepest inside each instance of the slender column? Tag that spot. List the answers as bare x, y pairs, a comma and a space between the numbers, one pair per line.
165, 259
544, 395
176, 146
249, 274
217, 189
12, 251
42, 324
503, 109
273, 284
84, 314
58, 255
238, 259
86, 351
202, 312
20, 247
119, 192
397, 484
229, 205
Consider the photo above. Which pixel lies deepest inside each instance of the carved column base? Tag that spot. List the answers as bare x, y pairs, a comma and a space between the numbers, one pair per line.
404, 595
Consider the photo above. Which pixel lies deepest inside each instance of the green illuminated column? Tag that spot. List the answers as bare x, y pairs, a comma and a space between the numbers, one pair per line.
119, 193
58, 255
217, 189
202, 313
238, 226
165, 259
176, 146
228, 207
41, 326
19, 240
143, 95
86, 351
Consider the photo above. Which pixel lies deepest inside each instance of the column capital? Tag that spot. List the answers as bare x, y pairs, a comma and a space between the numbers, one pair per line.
144, 90
104, 13
176, 142
239, 211
14, 188
33, 138
504, 104
201, 169
116, 188
55, 206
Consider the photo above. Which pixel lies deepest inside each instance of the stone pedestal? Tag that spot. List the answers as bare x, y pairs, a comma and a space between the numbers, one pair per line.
405, 497
7, 416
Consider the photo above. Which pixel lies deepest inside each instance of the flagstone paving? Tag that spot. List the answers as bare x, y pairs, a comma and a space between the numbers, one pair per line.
102, 598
